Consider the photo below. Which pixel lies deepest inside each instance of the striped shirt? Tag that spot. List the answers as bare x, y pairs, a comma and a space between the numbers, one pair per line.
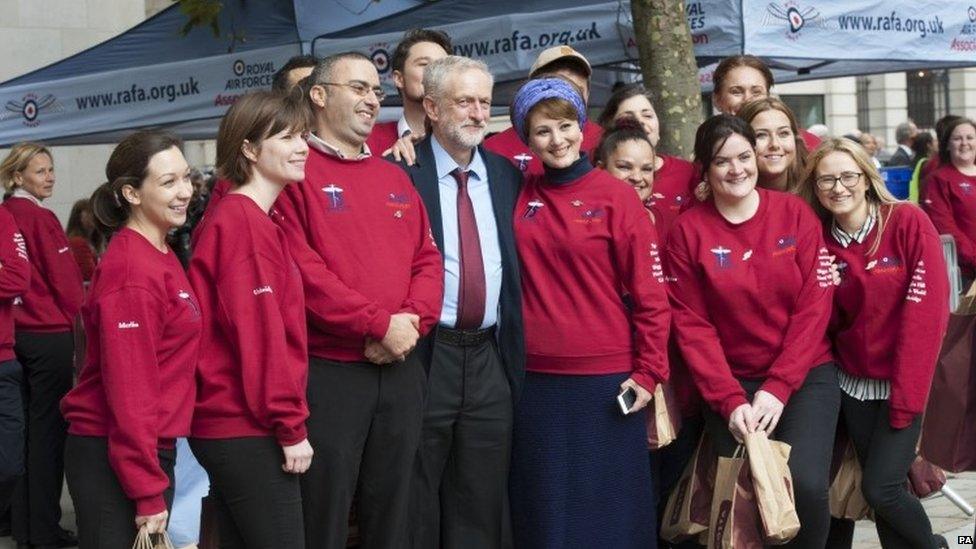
860, 388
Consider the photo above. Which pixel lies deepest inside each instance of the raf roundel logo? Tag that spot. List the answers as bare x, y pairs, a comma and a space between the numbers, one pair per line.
381, 59
972, 14
239, 67
793, 14
29, 108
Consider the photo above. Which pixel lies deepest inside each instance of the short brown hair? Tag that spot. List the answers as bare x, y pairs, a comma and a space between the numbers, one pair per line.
551, 107
17, 160
415, 36
253, 118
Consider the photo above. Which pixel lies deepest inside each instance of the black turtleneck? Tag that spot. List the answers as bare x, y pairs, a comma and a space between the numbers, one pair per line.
576, 170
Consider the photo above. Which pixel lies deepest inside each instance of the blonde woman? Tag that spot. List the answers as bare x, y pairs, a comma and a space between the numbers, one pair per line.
44, 344
890, 313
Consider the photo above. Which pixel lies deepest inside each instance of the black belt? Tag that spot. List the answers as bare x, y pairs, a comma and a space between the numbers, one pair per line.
464, 338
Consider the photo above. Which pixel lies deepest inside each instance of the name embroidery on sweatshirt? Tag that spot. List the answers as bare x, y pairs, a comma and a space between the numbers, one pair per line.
916, 288
21, 246
130, 325
262, 290
334, 192
657, 271
824, 276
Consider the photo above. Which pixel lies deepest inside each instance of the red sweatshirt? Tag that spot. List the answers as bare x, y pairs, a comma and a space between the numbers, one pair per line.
582, 244
15, 271
809, 139
360, 235
750, 300
220, 189
56, 291
137, 388
673, 192
950, 201
891, 308
383, 136
253, 365
510, 145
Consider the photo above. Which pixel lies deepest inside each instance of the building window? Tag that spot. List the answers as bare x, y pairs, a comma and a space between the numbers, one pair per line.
809, 109
927, 96
863, 114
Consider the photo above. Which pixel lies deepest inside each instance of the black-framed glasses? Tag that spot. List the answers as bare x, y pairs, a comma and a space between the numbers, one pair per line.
361, 88
847, 179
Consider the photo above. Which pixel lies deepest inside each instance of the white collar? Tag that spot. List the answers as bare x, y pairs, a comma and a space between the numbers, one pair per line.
21, 193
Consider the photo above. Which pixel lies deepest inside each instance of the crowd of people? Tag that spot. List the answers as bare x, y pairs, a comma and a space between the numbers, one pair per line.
435, 328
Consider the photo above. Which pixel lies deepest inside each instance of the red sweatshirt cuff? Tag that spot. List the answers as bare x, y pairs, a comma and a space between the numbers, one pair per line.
645, 380
899, 419
778, 389
379, 325
731, 404
291, 437
150, 505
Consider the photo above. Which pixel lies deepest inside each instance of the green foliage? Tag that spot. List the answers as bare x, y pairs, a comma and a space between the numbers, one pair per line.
201, 13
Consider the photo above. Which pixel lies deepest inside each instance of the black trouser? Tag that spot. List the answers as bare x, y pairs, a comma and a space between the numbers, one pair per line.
364, 426
885, 455
667, 464
259, 506
808, 424
106, 516
460, 490
47, 360
11, 431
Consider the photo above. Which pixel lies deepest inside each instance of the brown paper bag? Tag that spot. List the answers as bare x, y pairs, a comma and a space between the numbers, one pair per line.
663, 418
949, 424
144, 540
773, 486
689, 506
734, 522
845, 496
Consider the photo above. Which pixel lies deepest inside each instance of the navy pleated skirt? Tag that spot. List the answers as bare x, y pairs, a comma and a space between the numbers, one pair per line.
580, 474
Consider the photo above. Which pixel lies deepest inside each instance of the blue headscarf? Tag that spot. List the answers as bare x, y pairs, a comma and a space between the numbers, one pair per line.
534, 91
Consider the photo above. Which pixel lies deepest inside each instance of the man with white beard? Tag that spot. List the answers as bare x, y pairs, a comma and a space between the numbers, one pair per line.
476, 358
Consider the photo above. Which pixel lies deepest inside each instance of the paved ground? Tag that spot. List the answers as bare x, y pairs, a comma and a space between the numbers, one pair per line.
946, 518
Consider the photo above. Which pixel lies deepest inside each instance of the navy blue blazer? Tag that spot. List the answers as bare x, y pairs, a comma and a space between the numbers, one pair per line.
504, 182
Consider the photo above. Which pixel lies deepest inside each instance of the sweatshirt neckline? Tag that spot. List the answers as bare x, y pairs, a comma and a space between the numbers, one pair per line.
756, 217
569, 175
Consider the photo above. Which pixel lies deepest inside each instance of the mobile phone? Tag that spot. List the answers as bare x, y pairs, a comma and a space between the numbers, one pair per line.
626, 400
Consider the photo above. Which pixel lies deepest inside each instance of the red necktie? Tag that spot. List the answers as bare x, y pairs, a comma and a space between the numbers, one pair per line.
471, 290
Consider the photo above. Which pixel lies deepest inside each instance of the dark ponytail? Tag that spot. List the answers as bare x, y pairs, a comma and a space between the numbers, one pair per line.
624, 129
128, 165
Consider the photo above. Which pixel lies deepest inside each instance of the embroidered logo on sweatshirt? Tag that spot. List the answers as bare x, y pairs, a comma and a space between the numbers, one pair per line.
263, 290
723, 257
966, 187
21, 246
185, 296
132, 324
785, 245
523, 161
916, 288
334, 193
62, 250
885, 265
532, 208
399, 203
587, 215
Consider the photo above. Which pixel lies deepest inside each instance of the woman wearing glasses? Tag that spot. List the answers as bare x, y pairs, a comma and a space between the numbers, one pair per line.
890, 313
950, 193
